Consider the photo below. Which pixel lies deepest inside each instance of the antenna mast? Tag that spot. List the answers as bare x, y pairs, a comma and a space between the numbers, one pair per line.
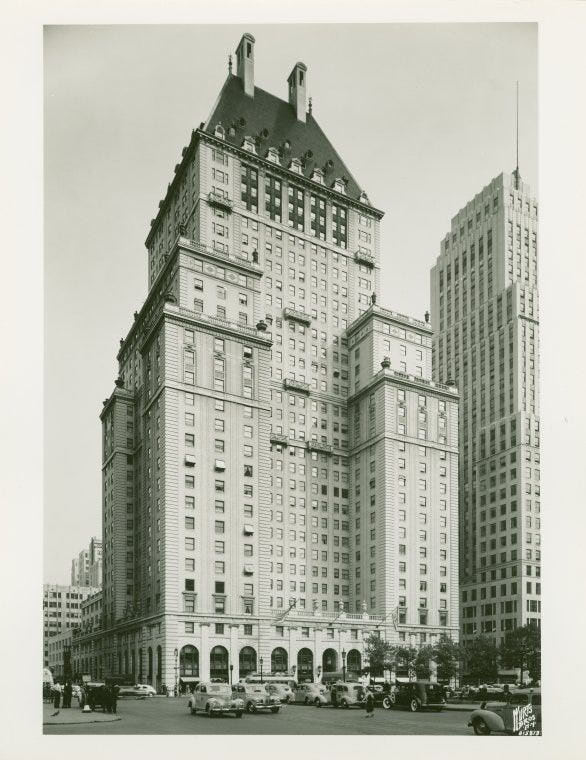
517, 142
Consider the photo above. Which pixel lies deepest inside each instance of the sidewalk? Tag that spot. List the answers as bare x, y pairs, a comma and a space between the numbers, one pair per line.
74, 715
462, 706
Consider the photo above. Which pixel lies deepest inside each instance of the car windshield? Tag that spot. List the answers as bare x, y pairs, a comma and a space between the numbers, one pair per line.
219, 689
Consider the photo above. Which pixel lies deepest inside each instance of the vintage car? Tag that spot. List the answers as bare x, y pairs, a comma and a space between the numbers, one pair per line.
256, 698
95, 694
137, 690
520, 715
214, 699
281, 690
348, 694
416, 695
312, 694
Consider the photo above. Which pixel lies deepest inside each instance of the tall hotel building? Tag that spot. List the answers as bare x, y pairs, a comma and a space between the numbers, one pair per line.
279, 469
485, 315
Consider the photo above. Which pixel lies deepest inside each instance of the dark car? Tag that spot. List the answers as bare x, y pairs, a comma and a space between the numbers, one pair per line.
520, 715
95, 695
416, 695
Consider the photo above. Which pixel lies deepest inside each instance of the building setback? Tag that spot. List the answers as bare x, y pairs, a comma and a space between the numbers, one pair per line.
485, 316
86, 568
232, 495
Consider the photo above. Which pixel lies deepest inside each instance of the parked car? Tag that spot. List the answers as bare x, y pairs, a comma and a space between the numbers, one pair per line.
215, 699
281, 690
346, 694
520, 715
416, 695
256, 697
95, 694
312, 694
137, 690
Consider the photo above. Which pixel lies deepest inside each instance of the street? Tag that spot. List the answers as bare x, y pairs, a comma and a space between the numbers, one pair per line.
171, 716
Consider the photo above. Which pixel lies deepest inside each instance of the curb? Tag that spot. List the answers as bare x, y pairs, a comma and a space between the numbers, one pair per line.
78, 722
460, 708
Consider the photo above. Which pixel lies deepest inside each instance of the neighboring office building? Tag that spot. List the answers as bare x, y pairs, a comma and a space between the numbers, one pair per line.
86, 647
86, 568
229, 506
61, 610
485, 315
404, 432
59, 655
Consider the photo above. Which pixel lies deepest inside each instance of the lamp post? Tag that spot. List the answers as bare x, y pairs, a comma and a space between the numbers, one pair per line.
231, 669
261, 661
344, 664
176, 652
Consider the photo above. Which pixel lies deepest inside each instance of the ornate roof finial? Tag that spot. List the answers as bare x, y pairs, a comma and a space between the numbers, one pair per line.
310, 103
230, 63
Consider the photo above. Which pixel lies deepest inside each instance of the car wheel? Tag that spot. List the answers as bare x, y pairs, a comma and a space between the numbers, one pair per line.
317, 702
480, 727
344, 704
275, 709
414, 705
387, 703
306, 701
192, 710
238, 714
251, 708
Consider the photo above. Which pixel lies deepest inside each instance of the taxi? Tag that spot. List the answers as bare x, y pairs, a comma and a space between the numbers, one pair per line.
256, 698
312, 694
214, 699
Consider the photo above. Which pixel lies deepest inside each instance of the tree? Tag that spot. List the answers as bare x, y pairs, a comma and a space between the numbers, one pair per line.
406, 657
521, 648
380, 654
481, 656
446, 654
421, 662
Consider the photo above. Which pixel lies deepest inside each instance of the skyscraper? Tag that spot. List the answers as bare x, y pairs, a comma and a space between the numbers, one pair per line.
485, 317
232, 501
86, 568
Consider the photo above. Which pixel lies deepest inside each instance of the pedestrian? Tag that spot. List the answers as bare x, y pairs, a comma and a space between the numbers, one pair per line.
81, 697
56, 696
369, 704
114, 697
67, 692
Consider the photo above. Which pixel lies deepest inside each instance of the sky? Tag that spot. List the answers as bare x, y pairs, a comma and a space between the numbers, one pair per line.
422, 114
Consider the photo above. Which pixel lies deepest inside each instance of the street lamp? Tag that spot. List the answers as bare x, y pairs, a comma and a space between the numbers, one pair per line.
176, 652
344, 664
261, 661
231, 669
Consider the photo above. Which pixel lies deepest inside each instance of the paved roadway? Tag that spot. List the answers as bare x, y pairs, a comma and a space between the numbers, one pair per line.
171, 716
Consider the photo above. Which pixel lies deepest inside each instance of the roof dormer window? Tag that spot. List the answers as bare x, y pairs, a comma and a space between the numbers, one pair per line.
340, 185
220, 132
296, 166
249, 144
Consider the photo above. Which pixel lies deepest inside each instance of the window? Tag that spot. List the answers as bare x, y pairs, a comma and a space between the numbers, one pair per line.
249, 188
339, 232
273, 197
219, 547
296, 208
248, 550
318, 216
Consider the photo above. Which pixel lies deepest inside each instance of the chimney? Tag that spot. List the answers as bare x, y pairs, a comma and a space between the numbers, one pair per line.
245, 63
297, 89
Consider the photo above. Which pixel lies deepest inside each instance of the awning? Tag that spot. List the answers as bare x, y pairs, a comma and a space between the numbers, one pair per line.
189, 679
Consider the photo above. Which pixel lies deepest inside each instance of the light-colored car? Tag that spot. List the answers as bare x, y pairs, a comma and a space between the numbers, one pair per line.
520, 715
348, 694
256, 697
312, 694
137, 690
214, 699
281, 690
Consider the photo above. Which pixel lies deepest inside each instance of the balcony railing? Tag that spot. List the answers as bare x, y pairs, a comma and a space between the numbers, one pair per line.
319, 446
219, 322
299, 316
296, 385
279, 438
215, 199
364, 258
